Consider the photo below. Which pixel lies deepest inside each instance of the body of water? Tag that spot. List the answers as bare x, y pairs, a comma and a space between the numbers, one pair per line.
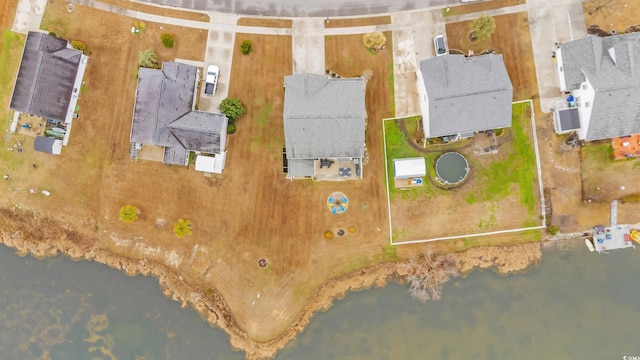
575, 305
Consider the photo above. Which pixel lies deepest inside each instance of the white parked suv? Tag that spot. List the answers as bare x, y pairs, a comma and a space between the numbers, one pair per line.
211, 80
439, 45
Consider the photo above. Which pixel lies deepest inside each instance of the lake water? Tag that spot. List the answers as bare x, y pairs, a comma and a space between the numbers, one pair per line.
575, 305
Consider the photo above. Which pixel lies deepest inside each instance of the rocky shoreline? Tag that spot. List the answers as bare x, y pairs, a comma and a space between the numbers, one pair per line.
42, 237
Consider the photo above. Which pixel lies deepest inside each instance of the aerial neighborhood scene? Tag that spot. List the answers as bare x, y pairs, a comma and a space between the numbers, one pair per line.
267, 164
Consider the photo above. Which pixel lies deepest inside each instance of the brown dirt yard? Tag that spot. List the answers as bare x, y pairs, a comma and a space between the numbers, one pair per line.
480, 6
617, 14
512, 39
266, 22
351, 22
249, 212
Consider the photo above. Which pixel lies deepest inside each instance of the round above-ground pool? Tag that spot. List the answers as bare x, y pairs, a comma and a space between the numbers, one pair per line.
452, 168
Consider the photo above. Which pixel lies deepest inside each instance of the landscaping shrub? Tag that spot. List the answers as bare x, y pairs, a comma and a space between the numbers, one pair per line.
167, 40
231, 128
553, 230
246, 47
374, 41
129, 214
79, 45
232, 108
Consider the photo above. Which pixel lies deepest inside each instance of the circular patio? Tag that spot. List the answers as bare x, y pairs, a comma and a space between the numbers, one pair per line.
337, 202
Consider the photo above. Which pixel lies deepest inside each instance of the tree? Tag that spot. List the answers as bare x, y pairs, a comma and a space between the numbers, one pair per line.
427, 275
79, 45
245, 47
167, 40
232, 108
374, 41
129, 214
595, 6
482, 27
182, 228
148, 59
537, 16
231, 128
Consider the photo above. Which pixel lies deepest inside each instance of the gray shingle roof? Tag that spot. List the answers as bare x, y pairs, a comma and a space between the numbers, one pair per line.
164, 115
467, 94
44, 144
47, 73
612, 66
324, 117
301, 168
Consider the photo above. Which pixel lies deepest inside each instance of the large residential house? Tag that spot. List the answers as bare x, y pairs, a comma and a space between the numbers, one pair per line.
461, 95
603, 76
165, 119
48, 86
324, 127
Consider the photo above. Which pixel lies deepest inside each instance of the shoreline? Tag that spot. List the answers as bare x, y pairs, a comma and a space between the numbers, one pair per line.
210, 304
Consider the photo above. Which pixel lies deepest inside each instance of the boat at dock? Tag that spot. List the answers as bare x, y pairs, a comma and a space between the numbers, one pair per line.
589, 244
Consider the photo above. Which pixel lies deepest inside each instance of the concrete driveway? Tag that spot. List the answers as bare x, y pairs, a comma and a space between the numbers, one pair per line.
219, 52
553, 21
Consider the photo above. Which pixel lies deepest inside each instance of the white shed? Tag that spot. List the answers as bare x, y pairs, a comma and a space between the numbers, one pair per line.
409, 168
211, 164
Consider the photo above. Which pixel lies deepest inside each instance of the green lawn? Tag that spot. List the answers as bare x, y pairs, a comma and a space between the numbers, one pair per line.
519, 168
495, 181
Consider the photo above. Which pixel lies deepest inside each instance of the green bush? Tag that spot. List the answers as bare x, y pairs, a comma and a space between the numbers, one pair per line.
167, 40
79, 45
552, 230
232, 108
231, 128
245, 47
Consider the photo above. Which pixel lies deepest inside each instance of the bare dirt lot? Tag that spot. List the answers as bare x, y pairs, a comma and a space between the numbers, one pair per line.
512, 39
493, 197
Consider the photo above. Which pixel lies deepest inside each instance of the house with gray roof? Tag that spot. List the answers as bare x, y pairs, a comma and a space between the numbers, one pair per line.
603, 76
461, 95
48, 85
165, 119
324, 127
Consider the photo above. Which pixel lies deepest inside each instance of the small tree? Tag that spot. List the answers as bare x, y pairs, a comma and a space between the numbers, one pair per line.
374, 41
231, 128
595, 6
232, 108
482, 27
79, 45
552, 230
148, 59
182, 228
167, 40
129, 214
246, 47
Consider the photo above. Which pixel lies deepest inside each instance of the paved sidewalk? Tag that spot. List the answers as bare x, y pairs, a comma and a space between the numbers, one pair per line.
493, 12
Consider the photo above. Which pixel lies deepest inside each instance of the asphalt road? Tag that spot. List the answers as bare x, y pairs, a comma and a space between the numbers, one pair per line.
305, 8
